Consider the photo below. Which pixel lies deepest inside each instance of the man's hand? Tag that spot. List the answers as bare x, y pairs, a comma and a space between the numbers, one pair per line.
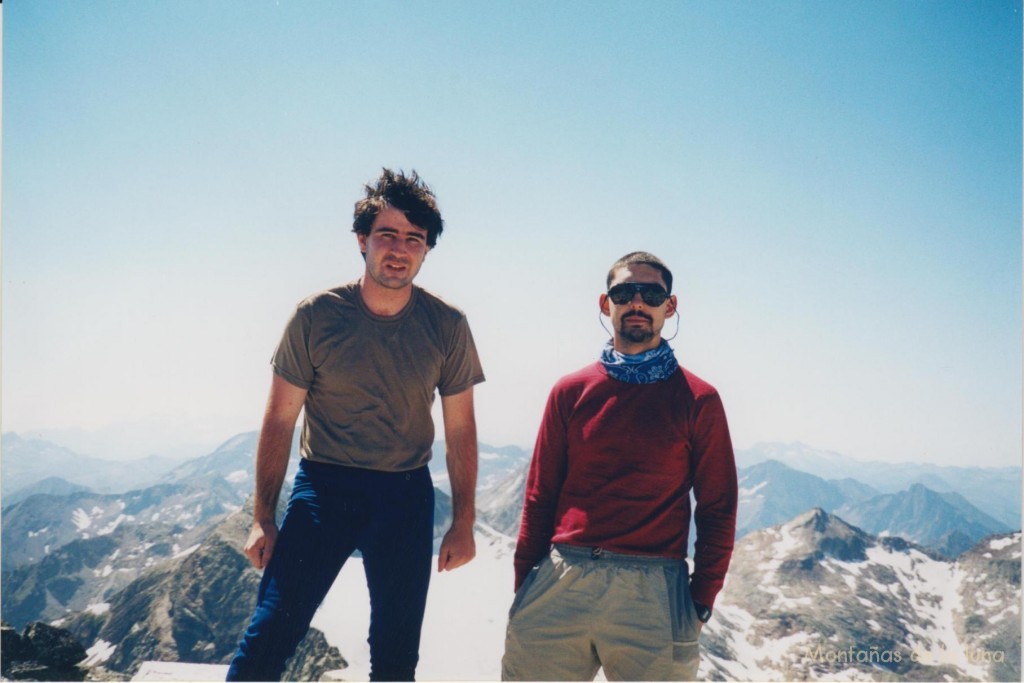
260, 545
457, 548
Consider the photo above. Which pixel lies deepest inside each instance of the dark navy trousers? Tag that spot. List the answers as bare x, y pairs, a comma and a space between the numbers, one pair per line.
334, 511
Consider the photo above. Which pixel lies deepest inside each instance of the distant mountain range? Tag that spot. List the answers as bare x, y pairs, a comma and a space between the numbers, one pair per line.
27, 462
994, 490
156, 571
945, 522
772, 493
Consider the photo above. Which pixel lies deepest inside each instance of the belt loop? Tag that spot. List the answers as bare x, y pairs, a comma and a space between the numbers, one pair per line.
595, 553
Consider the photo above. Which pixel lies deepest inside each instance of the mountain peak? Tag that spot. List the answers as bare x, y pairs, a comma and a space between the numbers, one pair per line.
817, 533
815, 518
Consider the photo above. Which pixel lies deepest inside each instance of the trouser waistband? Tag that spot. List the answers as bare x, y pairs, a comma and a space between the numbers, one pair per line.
332, 472
577, 552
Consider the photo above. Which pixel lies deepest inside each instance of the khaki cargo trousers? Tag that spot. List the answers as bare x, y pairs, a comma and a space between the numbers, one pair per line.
580, 610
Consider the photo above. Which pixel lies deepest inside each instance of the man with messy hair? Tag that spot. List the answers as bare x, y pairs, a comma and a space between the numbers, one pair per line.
364, 361
601, 576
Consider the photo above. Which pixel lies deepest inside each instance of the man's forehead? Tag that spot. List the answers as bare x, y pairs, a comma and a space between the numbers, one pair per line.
393, 219
637, 272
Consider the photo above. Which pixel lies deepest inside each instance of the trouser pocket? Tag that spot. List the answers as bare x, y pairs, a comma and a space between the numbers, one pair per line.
533, 585
685, 624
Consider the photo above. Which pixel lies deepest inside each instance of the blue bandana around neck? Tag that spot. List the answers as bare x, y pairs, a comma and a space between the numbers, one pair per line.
641, 368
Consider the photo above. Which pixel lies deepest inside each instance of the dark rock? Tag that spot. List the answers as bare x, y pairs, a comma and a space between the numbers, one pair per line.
53, 646
42, 653
12, 645
313, 658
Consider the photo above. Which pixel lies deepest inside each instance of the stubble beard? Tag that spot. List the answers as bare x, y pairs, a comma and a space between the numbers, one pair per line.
635, 335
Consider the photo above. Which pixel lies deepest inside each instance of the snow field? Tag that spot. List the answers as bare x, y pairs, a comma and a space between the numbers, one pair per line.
464, 627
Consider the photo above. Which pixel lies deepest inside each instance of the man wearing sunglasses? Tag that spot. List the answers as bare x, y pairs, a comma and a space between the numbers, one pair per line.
601, 577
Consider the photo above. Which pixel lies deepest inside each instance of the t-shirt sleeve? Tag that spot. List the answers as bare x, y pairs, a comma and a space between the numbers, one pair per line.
462, 367
291, 359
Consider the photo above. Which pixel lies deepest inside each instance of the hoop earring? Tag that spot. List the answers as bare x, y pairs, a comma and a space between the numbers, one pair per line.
677, 329
600, 319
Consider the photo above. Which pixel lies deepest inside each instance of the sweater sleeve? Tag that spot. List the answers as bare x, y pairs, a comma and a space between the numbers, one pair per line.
543, 485
715, 491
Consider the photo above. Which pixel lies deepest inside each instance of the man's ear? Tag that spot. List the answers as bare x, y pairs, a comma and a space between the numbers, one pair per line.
361, 238
602, 303
673, 304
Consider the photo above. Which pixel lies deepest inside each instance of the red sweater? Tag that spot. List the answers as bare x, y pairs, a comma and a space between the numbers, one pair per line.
613, 467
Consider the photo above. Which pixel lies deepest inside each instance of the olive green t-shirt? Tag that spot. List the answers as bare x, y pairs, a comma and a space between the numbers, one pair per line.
371, 379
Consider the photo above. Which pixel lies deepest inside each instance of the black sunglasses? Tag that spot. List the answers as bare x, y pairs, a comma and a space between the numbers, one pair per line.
652, 294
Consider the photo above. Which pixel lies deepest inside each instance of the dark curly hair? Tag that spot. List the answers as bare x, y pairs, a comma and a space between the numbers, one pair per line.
409, 194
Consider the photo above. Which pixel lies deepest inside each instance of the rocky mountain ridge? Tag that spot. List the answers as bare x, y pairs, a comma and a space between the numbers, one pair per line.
816, 598
192, 609
945, 522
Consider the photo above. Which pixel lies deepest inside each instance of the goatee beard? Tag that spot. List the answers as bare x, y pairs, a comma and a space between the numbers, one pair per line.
635, 335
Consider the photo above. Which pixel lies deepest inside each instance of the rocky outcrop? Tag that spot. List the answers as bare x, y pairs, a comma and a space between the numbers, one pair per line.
192, 610
41, 653
989, 618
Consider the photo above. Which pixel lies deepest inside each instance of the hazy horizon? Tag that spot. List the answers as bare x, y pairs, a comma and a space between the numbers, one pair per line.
122, 442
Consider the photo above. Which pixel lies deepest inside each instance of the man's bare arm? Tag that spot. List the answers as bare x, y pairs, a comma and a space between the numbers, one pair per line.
458, 546
272, 451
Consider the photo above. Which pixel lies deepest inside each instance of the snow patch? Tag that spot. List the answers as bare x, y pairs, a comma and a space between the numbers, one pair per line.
98, 608
749, 493
186, 552
1000, 543
110, 528
81, 519
179, 671
98, 653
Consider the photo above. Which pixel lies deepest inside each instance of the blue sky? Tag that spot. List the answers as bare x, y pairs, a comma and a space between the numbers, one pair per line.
837, 187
